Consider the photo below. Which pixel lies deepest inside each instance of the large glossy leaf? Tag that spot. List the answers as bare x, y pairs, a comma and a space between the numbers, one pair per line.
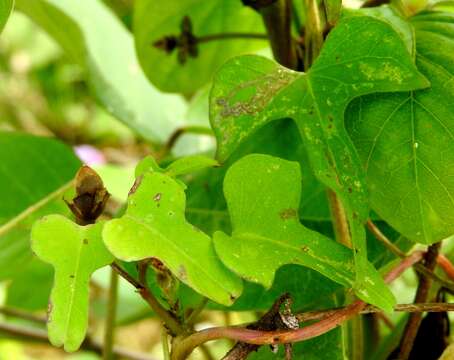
361, 55
263, 195
24, 195
94, 38
154, 226
208, 18
75, 252
406, 140
6, 6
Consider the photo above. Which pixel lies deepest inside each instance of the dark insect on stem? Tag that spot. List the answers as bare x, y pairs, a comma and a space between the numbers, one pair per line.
91, 196
185, 43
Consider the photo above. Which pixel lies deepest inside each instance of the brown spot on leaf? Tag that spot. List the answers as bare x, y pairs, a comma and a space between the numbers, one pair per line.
288, 214
157, 197
305, 248
232, 297
135, 185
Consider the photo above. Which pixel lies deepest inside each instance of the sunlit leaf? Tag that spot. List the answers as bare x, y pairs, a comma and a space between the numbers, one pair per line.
155, 226
361, 55
75, 252
263, 194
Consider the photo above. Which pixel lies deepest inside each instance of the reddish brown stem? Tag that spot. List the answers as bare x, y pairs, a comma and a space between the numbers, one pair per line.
185, 346
446, 266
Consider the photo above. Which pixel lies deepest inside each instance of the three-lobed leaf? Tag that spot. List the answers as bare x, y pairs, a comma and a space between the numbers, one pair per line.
406, 140
154, 226
75, 252
263, 194
361, 55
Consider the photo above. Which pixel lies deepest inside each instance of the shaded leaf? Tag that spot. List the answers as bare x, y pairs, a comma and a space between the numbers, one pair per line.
75, 252
207, 18
154, 226
263, 194
361, 55
405, 140
25, 196
94, 38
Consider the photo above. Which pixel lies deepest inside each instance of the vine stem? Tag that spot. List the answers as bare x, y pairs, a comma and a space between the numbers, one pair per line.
174, 326
414, 321
229, 36
109, 332
445, 264
184, 347
370, 309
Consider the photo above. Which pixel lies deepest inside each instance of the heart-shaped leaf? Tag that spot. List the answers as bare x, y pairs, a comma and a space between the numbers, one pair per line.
361, 55
263, 195
406, 140
155, 226
75, 252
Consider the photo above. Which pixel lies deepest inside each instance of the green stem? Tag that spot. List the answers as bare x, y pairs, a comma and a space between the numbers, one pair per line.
175, 136
313, 35
109, 332
195, 313
339, 219
229, 36
169, 319
165, 343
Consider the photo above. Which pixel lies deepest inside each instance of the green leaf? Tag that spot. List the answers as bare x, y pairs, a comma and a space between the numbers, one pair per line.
405, 140
189, 164
361, 55
208, 18
263, 194
33, 272
94, 38
75, 252
154, 226
25, 196
6, 7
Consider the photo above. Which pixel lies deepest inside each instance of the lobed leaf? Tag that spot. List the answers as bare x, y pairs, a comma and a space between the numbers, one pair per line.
263, 194
75, 252
155, 226
361, 55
